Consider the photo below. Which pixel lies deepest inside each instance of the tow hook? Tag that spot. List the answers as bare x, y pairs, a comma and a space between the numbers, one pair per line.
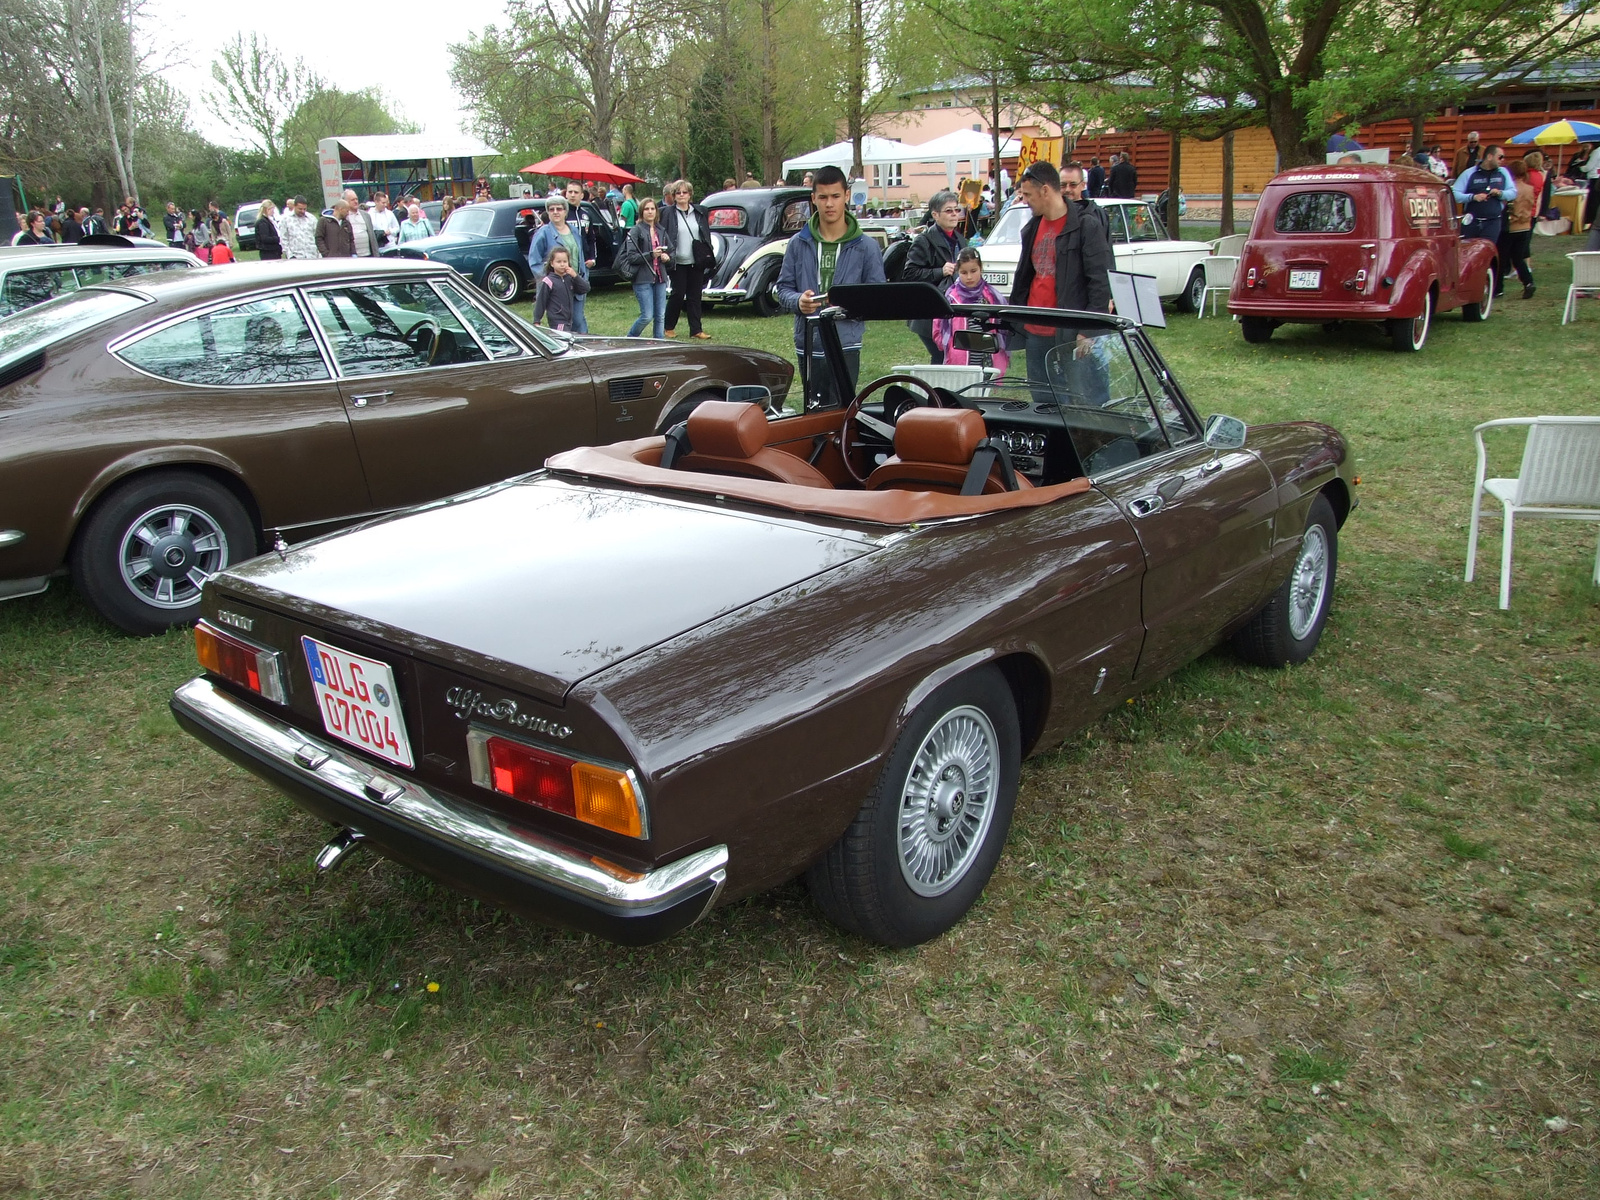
339, 849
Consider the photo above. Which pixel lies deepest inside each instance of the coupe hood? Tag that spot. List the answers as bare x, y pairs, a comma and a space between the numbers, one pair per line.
543, 582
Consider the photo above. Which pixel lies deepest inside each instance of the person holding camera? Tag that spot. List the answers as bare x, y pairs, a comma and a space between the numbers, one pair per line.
1482, 189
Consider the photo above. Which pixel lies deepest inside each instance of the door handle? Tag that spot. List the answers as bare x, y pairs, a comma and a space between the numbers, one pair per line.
369, 397
1145, 505
1212, 467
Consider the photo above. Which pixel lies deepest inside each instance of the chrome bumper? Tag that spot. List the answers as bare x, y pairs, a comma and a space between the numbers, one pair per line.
377, 803
724, 294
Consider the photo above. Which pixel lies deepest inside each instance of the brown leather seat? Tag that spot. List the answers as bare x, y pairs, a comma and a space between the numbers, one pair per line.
933, 449
731, 439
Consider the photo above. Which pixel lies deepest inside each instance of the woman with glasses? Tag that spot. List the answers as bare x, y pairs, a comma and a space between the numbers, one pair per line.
932, 258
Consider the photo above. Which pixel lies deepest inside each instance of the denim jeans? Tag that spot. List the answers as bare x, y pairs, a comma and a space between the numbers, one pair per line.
580, 323
652, 299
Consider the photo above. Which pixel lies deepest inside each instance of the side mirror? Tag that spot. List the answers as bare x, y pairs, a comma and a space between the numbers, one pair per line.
751, 393
1224, 433
974, 341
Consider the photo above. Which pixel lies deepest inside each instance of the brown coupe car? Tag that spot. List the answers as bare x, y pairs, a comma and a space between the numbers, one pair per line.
761, 647
155, 430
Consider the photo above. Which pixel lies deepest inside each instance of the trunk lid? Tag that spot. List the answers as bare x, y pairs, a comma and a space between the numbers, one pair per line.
542, 582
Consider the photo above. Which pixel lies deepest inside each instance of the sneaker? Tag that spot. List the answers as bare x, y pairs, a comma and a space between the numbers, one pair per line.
1527, 291
702, 335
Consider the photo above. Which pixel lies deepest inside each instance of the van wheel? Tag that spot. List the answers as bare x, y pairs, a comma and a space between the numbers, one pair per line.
1480, 310
1409, 336
1256, 329
148, 547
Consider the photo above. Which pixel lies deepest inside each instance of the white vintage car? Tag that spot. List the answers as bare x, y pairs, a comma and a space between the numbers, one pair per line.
1138, 238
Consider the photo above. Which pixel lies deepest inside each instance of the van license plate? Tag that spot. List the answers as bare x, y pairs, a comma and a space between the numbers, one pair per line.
1308, 281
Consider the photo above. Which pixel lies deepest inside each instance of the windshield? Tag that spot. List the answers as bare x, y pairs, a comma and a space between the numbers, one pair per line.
1007, 230
44, 324
473, 222
547, 339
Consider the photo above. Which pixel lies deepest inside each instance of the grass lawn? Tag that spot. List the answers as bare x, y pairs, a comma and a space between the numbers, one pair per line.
1327, 932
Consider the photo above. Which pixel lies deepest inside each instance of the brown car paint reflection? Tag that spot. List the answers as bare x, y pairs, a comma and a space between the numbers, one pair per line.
190, 388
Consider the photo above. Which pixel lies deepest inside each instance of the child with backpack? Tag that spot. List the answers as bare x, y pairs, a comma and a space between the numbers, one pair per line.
559, 288
970, 288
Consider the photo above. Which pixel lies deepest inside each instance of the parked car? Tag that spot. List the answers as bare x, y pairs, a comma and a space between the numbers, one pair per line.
155, 432
244, 224
1139, 242
1360, 242
31, 275
766, 646
488, 243
751, 229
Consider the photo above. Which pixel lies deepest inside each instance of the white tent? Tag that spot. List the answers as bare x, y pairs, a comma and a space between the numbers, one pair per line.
874, 151
964, 145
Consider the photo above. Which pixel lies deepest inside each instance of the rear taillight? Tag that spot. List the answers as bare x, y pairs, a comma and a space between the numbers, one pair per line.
1250, 278
239, 661
594, 793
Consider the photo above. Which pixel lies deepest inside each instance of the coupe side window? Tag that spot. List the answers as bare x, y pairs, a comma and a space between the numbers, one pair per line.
392, 327
1316, 212
264, 341
496, 340
24, 289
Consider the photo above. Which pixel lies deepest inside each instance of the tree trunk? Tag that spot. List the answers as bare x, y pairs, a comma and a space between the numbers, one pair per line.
1174, 187
856, 117
994, 133
1419, 131
771, 160
1227, 184
1295, 142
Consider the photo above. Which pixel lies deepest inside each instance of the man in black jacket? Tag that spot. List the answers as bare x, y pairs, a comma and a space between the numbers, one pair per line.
1063, 264
1124, 181
932, 258
1097, 177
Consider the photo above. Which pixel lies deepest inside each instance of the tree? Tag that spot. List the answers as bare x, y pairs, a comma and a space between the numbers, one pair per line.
257, 91
881, 48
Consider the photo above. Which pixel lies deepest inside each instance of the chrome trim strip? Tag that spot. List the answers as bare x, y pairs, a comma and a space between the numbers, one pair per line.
540, 859
10, 537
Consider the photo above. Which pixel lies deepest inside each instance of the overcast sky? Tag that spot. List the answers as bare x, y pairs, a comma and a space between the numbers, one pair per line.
358, 46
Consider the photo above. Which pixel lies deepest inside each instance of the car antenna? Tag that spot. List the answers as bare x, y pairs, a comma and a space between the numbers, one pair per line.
280, 545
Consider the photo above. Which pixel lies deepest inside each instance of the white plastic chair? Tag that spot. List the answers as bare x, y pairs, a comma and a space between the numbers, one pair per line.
1560, 478
1220, 270
1232, 244
1585, 281
950, 376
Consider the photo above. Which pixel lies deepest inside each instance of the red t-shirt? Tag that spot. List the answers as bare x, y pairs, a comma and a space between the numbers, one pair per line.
1042, 291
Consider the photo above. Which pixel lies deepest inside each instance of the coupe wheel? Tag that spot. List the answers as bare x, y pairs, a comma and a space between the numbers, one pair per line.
1480, 310
1288, 628
143, 555
502, 282
1256, 329
922, 847
1409, 336
1193, 296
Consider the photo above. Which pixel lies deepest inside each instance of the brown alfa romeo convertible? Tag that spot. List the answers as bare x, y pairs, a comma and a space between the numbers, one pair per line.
660, 675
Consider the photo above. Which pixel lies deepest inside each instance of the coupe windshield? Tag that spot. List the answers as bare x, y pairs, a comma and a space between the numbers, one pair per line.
44, 324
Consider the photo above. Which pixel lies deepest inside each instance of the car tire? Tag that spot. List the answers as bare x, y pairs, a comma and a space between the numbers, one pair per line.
1287, 630
502, 282
1480, 311
1193, 296
199, 526
682, 409
921, 848
1410, 335
761, 297
1256, 329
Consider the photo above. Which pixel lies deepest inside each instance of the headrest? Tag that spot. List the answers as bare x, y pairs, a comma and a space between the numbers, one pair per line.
729, 430
938, 435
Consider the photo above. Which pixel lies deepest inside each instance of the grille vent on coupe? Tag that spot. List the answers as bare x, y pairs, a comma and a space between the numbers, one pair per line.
626, 389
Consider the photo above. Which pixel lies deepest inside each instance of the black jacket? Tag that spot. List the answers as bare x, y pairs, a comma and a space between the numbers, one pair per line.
269, 243
633, 259
1124, 180
927, 256
1083, 256
1096, 179
704, 257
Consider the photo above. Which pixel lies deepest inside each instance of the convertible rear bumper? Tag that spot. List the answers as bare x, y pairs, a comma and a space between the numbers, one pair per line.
471, 849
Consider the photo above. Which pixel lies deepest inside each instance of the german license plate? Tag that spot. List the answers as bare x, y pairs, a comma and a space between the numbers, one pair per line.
1308, 281
358, 701
998, 278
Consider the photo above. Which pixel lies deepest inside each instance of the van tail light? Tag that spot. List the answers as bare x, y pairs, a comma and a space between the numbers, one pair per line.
596, 794
1250, 278
239, 661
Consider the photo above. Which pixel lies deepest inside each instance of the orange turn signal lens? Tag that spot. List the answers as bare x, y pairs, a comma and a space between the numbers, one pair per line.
606, 797
245, 663
597, 795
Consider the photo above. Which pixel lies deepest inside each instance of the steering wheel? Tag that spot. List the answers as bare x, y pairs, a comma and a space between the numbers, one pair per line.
881, 429
413, 339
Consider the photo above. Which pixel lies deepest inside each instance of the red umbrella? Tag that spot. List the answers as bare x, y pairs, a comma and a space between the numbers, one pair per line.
582, 164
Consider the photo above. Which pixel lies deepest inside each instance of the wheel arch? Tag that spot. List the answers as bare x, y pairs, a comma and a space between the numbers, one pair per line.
194, 459
717, 389
1025, 674
1339, 499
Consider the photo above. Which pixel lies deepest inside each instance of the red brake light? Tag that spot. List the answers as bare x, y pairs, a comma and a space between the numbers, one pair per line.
591, 792
245, 663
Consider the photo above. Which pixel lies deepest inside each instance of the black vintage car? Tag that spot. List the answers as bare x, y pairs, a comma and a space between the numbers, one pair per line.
750, 227
488, 243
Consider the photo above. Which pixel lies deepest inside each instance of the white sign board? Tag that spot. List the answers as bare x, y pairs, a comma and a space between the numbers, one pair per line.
1136, 298
331, 169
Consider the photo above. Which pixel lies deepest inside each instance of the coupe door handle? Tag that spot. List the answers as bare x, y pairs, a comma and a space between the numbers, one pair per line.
367, 398
1145, 505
